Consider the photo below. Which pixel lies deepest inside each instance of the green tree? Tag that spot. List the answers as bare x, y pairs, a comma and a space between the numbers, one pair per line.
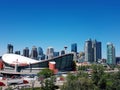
45, 73
115, 79
83, 68
102, 82
99, 80
48, 84
71, 77
78, 82
82, 74
97, 73
74, 65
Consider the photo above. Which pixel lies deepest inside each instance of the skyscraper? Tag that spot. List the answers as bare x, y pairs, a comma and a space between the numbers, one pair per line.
26, 52
40, 51
17, 52
50, 52
74, 47
41, 55
9, 48
88, 51
110, 53
34, 53
93, 51
97, 50
56, 54
62, 52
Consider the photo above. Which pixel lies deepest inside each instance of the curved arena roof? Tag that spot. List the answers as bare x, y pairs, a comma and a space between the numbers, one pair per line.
64, 62
13, 59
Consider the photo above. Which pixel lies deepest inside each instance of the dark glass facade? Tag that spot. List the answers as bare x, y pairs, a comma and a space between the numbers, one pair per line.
62, 52
117, 60
74, 47
63, 63
34, 53
26, 52
110, 53
56, 54
41, 55
17, 52
10, 48
97, 50
93, 51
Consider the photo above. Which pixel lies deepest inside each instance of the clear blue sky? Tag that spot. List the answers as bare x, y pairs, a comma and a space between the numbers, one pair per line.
58, 23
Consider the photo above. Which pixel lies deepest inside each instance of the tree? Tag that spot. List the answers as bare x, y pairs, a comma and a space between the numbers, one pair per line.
97, 73
115, 79
46, 73
78, 82
99, 80
48, 84
102, 83
74, 65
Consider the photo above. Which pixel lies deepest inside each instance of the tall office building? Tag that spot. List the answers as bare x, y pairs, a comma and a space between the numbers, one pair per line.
110, 53
88, 51
117, 60
41, 55
26, 52
17, 52
56, 54
74, 47
40, 51
9, 48
97, 50
93, 51
62, 52
50, 52
34, 53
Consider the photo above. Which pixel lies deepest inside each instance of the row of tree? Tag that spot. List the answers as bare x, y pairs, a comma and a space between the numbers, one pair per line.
98, 80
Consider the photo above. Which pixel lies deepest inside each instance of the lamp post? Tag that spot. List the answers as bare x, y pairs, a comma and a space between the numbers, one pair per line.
16, 65
30, 66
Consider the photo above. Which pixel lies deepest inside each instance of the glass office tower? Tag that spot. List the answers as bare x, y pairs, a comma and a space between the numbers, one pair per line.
110, 53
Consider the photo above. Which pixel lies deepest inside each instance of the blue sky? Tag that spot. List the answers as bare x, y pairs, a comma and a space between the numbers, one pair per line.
58, 23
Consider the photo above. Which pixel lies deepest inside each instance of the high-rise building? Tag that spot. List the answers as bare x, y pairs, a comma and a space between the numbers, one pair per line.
50, 52
34, 53
81, 57
88, 51
17, 52
97, 50
41, 55
56, 54
93, 51
9, 48
118, 60
62, 52
74, 47
26, 52
40, 51
110, 53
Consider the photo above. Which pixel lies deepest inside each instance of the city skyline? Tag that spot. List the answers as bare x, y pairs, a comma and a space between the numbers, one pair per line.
59, 23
